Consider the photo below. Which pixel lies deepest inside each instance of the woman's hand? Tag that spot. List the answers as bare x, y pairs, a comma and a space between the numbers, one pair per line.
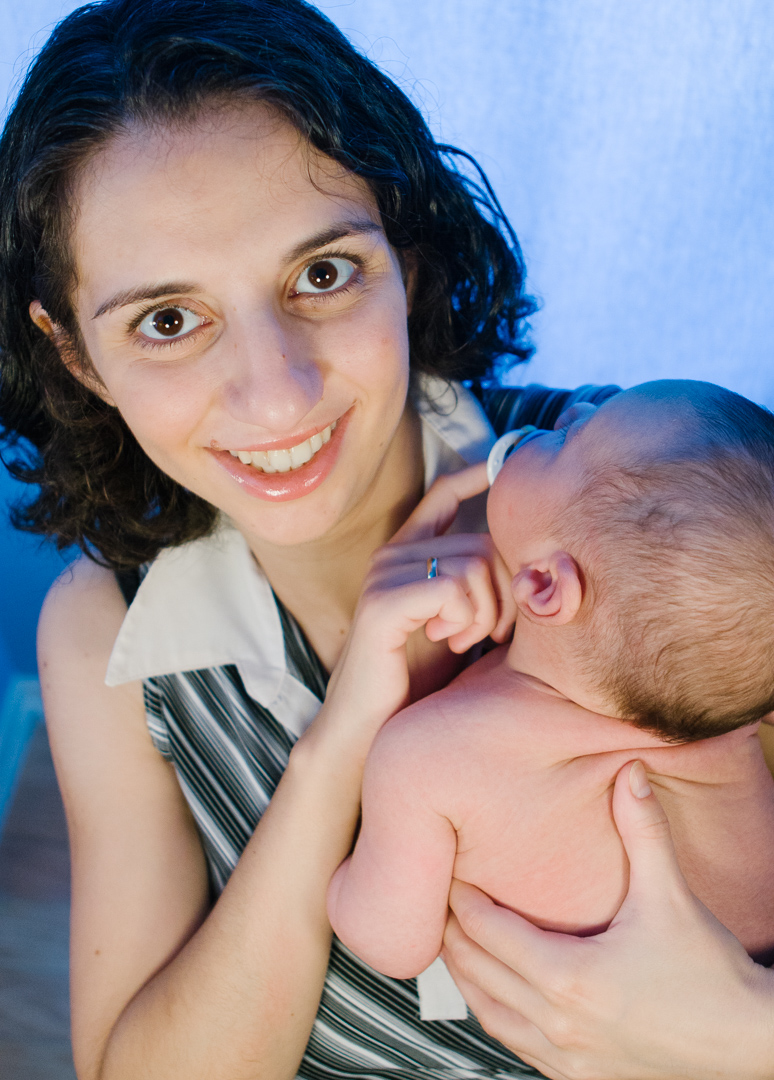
468, 600
470, 558
665, 993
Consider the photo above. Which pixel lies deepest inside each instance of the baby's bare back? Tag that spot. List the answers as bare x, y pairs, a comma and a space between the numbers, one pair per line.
526, 779
502, 782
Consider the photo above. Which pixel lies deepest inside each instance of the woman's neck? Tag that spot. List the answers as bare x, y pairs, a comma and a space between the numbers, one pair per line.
320, 581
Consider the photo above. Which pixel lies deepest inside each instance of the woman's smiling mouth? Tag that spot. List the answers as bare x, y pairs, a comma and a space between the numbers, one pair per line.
286, 473
274, 461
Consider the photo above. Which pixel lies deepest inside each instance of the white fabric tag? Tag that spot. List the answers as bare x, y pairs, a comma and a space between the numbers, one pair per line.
439, 998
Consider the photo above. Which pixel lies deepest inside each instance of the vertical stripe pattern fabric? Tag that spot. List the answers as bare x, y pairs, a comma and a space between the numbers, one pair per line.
229, 753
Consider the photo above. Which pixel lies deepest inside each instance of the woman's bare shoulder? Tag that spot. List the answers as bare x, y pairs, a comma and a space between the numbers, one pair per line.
80, 620
83, 609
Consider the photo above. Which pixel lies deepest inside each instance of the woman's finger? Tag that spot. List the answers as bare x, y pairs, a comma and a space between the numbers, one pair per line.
472, 572
446, 546
473, 575
467, 960
470, 557
387, 614
506, 603
521, 947
543, 961
438, 509
654, 872
506, 1025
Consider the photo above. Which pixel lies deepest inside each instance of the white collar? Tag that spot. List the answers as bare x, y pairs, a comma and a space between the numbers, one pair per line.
207, 603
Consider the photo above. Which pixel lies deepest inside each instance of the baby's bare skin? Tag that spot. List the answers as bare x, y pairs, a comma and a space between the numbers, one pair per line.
504, 779
500, 781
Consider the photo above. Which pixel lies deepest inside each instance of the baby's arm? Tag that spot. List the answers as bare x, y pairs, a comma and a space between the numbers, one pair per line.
388, 902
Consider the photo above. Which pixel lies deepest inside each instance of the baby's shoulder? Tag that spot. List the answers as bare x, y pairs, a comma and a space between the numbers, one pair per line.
487, 708
422, 725
436, 729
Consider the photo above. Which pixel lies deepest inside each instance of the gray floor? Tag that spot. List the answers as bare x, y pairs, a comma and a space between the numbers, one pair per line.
34, 887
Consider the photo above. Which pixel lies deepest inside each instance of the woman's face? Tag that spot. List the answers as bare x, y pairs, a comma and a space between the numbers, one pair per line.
244, 312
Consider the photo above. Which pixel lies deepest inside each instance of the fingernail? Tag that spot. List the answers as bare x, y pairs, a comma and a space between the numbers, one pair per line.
638, 781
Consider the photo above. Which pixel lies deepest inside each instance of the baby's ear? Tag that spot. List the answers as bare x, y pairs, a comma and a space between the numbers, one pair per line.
549, 590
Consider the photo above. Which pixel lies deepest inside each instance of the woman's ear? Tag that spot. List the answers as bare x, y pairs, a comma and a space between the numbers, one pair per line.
44, 322
549, 590
61, 342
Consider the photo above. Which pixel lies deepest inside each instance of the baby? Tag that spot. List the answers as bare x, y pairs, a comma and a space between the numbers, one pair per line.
640, 540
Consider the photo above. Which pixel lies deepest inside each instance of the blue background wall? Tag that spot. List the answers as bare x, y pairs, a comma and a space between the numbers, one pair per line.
632, 145
28, 567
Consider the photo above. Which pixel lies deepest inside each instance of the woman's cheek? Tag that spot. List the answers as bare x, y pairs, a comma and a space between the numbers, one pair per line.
375, 349
164, 417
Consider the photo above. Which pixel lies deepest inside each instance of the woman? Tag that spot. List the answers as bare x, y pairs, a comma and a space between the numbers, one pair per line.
249, 273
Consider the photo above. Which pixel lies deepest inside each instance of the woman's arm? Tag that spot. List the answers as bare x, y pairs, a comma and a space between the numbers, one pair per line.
161, 988
664, 994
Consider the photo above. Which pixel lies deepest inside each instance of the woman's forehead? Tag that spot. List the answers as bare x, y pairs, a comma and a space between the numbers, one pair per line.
207, 184
238, 136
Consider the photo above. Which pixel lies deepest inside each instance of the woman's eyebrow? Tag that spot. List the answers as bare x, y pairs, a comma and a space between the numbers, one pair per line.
143, 292
330, 235
170, 288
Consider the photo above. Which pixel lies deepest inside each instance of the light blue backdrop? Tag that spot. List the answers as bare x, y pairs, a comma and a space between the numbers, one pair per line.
631, 143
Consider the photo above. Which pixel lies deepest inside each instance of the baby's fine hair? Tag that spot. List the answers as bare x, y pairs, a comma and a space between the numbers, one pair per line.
679, 554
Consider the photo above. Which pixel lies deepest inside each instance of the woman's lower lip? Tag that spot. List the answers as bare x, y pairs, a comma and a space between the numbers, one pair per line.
282, 487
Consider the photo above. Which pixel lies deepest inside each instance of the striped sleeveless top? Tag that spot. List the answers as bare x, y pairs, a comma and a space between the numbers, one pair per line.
229, 752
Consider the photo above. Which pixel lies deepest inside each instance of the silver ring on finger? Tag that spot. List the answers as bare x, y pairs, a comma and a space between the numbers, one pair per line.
432, 568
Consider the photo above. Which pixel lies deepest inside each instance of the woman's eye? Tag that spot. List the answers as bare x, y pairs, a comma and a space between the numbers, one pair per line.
169, 323
324, 276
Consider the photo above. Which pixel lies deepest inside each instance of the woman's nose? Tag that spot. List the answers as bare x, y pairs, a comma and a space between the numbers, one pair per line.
273, 380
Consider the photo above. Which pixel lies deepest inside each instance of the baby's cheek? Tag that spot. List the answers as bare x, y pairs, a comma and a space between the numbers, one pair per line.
500, 516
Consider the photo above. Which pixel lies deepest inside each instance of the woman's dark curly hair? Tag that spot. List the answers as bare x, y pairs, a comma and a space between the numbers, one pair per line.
121, 61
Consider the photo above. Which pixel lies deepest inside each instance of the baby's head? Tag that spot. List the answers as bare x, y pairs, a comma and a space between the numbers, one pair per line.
644, 531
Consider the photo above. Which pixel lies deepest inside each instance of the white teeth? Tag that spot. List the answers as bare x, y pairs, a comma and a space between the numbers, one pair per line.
299, 455
260, 459
272, 461
279, 459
